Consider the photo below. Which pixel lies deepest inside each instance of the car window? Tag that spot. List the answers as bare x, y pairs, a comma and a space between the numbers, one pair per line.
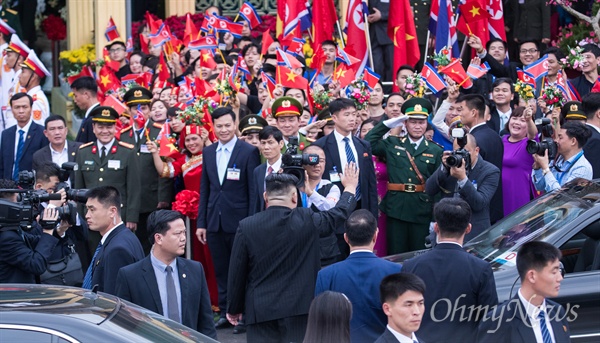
30, 334
580, 251
538, 220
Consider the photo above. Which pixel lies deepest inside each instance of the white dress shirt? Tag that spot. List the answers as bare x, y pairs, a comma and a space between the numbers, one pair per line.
504, 117
533, 312
103, 240
24, 128
417, 142
401, 338
226, 155
342, 148
276, 166
60, 157
107, 146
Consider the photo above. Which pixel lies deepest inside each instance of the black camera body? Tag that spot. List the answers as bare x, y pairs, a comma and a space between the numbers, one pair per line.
546, 143
459, 156
292, 162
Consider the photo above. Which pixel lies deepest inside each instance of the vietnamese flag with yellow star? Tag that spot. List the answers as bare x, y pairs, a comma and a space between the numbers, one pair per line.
473, 19
162, 69
287, 78
344, 74
107, 80
402, 31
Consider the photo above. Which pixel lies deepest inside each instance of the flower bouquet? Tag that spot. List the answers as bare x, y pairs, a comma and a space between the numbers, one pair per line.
574, 58
73, 61
442, 58
186, 203
524, 90
553, 97
358, 91
415, 86
321, 97
54, 27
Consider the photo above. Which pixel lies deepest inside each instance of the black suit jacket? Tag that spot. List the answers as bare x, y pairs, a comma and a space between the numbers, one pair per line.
45, 155
515, 327
492, 150
34, 141
137, 283
388, 337
378, 30
275, 260
86, 131
257, 201
591, 150
23, 258
120, 249
368, 181
477, 192
232, 198
451, 273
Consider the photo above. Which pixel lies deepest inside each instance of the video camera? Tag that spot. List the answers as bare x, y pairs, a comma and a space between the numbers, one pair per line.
546, 142
457, 157
78, 195
292, 162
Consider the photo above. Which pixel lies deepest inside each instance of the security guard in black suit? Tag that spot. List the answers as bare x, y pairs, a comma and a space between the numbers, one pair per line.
107, 162
158, 192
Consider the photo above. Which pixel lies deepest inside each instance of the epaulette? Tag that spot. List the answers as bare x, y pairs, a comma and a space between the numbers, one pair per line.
12, 11
157, 125
127, 145
86, 145
436, 143
126, 129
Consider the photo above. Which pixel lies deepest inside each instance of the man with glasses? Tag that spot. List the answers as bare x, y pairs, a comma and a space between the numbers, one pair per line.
118, 53
529, 52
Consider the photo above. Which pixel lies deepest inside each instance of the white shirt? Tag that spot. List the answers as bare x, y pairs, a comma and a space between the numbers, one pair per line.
533, 312
226, 155
9, 118
342, 148
504, 117
478, 125
276, 166
417, 142
323, 203
401, 338
87, 113
103, 240
593, 127
26, 129
107, 146
40, 110
60, 157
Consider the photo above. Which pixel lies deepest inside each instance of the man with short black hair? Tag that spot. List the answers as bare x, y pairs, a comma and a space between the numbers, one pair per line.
276, 256
530, 316
165, 282
271, 143
591, 149
591, 59
503, 92
359, 276
403, 72
402, 298
60, 150
118, 247
85, 97
330, 50
453, 274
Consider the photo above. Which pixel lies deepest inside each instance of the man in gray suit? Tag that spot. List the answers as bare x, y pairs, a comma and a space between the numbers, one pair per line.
476, 184
59, 150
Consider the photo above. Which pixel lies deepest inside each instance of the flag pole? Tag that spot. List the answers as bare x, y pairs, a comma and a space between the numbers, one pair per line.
426, 46
368, 37
337, 23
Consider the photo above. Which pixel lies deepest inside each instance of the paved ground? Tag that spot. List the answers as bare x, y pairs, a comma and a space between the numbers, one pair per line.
227, 336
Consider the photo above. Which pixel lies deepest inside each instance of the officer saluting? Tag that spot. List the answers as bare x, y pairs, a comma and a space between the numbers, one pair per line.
106, 162
410, 161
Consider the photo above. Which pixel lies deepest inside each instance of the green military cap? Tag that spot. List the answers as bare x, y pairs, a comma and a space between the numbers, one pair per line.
572, 111
137, 96
286, 106
104, 114
418, 108
252, 123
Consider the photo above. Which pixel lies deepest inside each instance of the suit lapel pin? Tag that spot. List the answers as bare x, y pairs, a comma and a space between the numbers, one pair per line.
73, 153
365, 155
565, 328
184, 276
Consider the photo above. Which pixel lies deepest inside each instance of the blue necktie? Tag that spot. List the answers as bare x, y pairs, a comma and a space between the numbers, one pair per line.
546, 338
172, 305
19, 154
350, 158
87, 279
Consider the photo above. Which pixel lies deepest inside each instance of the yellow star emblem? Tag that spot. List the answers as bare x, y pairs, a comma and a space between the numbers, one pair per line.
205, 57
104, 80
171, 147
291, 76
475, 11
159, 68
340, 73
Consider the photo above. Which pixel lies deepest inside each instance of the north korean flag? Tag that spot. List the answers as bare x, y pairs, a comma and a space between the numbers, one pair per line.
111, 32
526, 77
433, 80
204, 43
478, 71
370, 77
538, 68
248, 12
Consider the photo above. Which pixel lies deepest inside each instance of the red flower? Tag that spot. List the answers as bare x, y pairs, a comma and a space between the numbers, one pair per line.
55, 28
186, 203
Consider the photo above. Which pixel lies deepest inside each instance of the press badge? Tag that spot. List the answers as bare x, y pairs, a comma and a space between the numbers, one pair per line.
334, 176
233, 174
144, 149
116, 164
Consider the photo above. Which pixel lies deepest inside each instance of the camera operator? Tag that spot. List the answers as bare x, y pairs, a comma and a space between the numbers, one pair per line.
48, 179
321, 195
468, 176
24, 255
570, 162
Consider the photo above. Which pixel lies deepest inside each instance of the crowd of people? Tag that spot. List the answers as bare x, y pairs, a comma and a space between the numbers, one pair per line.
290, 198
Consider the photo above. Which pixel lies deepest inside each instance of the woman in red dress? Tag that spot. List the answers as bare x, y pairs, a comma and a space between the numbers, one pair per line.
193, 139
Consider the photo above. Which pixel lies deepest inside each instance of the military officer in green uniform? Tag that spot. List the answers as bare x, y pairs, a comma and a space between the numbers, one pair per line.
11, 17
158, 192
410, 161
107, 162
287, 111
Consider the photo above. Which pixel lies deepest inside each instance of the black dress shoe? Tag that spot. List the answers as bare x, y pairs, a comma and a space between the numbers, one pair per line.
222, 323
240, 328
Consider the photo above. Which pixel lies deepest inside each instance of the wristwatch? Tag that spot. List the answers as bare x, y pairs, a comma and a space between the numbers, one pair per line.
545, 171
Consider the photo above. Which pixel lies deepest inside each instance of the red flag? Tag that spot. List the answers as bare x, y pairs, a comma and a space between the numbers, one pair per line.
85, 71
167, 148
107, 80
113, 102
344, 75
111, 33
153, 25
496, 20
207, 60
267, 40
208, 125
371, 77
318, 60
457, 73
138, 118
288, 60
324, 18
287, 78
473, 19
114, 65
355, 27
145, 79
144, 44
203, 43
191, 32
402, 31
162, 69
203, 88
596, 87
269, 83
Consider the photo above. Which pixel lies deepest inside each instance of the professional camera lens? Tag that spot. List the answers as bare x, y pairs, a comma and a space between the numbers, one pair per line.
534, 147
454, 160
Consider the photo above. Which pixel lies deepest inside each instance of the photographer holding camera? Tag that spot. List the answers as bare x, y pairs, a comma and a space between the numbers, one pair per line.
570, 163
463, 173
24, 255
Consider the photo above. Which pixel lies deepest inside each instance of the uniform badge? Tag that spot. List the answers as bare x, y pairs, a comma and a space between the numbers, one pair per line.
37, 115
113, 150
428, 155
137, 93
252, 121
418, 108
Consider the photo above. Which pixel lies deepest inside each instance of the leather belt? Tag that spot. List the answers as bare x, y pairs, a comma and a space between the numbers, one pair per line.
405, 187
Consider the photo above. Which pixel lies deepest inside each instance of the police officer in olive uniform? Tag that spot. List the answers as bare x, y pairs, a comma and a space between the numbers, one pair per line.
250, 126
107, 162
410, 161
158, 192
11, 17
289, 107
